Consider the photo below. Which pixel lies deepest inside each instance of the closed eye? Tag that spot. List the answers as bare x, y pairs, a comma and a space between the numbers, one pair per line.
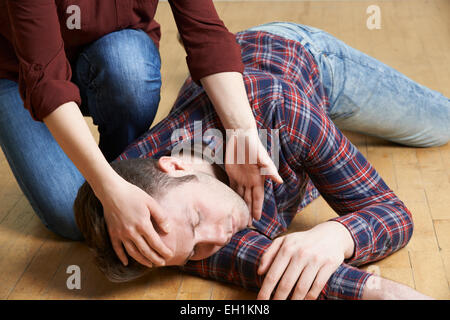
193, 226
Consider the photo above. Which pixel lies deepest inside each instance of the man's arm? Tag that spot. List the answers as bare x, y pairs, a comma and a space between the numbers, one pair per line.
238, 263
375, 217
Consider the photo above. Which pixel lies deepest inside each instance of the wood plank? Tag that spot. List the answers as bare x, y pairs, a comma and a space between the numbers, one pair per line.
443, 233
195, 288
429, 274
438, 200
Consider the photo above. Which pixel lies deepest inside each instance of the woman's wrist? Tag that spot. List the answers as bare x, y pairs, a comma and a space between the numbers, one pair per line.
68, 127
227, 92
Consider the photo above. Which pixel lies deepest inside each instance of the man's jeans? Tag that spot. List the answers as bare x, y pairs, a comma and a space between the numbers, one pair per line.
369, 97
119, 80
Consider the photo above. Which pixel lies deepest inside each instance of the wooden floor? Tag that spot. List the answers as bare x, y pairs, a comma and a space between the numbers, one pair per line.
414, 38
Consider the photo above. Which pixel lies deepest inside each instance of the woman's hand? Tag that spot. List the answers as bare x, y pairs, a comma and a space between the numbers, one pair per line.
129, 212
302, 262
227, 92
247, 163
127, 208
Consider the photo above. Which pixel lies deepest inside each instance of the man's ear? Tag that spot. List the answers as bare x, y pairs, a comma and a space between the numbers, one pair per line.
172, 164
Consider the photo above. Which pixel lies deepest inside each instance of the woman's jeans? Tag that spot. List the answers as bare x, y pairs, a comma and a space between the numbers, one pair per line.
119, 80
367, 96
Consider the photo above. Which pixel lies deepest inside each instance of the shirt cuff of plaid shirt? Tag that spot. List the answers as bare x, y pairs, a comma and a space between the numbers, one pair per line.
346, 282
361, 235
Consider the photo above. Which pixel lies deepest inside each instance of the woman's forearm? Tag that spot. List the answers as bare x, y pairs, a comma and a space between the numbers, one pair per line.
72, 133
226, 90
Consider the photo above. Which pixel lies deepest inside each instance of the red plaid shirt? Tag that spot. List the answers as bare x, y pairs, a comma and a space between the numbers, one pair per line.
315, 158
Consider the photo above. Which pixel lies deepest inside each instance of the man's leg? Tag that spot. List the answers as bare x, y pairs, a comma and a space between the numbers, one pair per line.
120, 81
368, 96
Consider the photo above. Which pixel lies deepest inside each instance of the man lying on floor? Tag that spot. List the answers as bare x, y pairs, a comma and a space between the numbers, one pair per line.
211, 236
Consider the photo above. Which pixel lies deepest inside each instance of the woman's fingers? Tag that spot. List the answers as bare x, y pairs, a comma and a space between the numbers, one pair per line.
117, 246
157, 214
134, 252
268, 168
147, 252
153, 240
257, 200
248, 198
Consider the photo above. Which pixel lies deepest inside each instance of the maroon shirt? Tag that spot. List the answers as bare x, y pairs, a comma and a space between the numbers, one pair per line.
37, 48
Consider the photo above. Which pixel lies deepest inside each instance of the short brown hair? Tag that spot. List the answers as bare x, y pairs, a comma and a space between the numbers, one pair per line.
145, 174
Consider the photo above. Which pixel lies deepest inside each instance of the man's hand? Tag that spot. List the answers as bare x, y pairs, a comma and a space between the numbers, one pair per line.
127, 210
304, 261
247, 163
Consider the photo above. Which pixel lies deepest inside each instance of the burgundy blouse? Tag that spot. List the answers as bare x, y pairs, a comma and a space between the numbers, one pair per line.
37, 48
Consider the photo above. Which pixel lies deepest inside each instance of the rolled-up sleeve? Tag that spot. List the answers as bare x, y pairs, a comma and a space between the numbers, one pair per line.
210, 47
44, 71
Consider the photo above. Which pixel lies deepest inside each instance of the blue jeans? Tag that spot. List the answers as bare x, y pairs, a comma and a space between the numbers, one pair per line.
119, 80
367, 96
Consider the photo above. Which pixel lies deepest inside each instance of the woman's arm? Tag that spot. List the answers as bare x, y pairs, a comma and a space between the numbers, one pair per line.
50, 96
227, 92
214, 61
126, 208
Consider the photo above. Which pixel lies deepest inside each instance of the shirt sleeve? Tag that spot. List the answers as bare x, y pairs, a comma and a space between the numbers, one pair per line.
238, 263
378, 221
44, 71
210, 47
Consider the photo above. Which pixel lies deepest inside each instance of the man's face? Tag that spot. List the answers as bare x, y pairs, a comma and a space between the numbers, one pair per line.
203, 215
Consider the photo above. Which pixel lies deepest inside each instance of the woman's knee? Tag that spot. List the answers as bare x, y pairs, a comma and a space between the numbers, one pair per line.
125, 73
59, 218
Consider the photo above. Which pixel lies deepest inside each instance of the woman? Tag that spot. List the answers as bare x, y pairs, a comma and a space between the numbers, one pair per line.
62, 59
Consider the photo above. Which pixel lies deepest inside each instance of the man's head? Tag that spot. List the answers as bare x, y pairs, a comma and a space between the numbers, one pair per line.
203, 213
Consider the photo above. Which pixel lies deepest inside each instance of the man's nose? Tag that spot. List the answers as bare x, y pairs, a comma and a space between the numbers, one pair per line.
217, 235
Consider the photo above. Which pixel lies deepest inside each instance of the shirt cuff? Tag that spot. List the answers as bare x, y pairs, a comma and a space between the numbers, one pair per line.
51, 94
346, 283
215, 58
361, 233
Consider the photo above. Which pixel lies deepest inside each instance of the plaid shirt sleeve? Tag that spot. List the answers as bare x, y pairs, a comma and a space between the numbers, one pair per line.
376, 218
238, 263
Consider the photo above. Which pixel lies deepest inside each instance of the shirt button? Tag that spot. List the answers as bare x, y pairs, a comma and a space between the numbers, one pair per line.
37, 67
